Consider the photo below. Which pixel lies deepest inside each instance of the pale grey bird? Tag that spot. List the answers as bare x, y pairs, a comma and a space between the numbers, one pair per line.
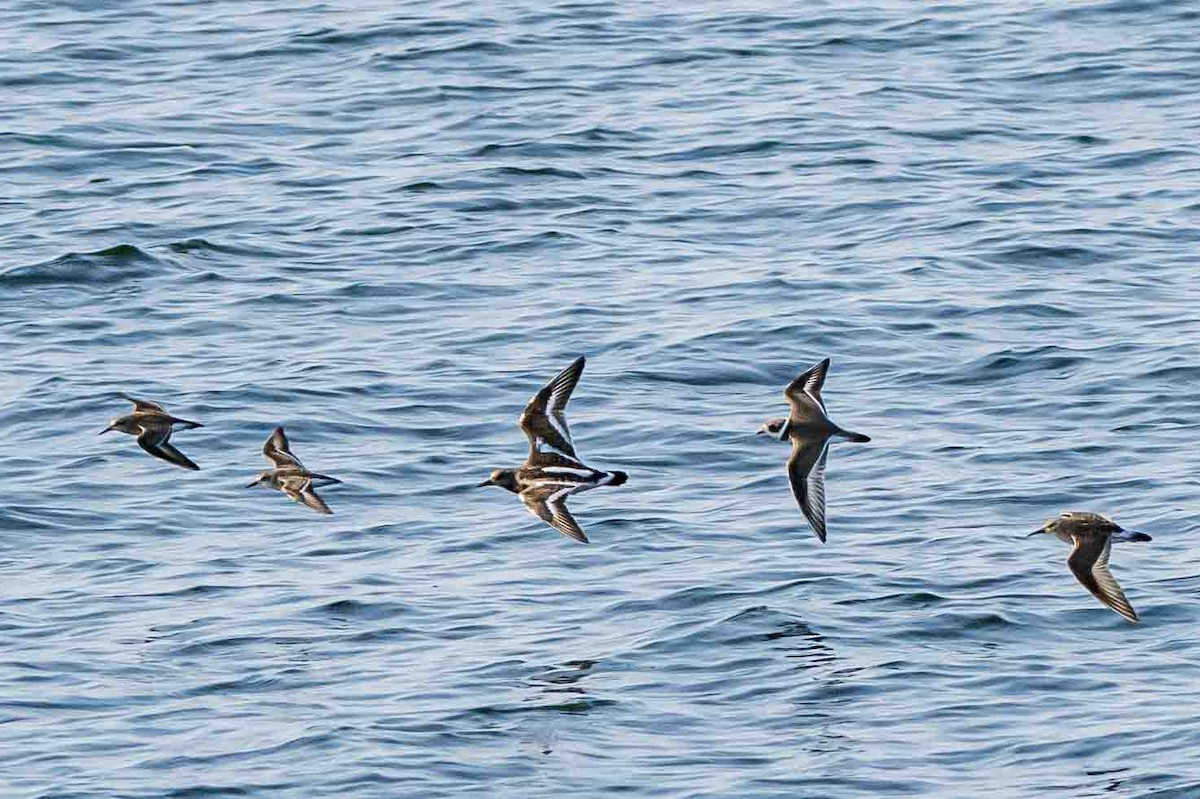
153, 427
1092, 535
290, 476
809, 429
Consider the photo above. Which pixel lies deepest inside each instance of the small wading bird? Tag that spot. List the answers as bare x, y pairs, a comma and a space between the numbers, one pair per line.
153, 427
809, 429
290, 476
553, 471
1092, 535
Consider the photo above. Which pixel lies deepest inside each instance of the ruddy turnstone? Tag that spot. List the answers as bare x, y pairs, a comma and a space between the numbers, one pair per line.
153, 427
290, 476
1092, 535
553, 471
809, 429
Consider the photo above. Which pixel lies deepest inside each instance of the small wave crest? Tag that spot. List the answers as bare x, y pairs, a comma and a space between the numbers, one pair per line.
111, 265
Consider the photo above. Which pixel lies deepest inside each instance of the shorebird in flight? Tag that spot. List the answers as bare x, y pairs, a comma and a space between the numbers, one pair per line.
552, 471
153, 427
809, 429
1092, 535
290, 476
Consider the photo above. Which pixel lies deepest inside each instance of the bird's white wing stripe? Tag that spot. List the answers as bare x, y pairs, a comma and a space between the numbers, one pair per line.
567, 470
545, 446
562, 492
552, 418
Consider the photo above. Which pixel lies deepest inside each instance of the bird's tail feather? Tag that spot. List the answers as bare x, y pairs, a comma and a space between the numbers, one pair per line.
1131, 535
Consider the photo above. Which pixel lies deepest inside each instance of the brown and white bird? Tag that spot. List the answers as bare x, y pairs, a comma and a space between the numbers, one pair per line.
552, 471
1092, 535
290, 476
809, 429
153, 427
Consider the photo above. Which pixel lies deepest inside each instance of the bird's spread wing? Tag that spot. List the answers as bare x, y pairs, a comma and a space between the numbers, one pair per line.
806, 388
548, 503
279, 452
806, 470
155, 441
544, 419
307, 496
144, 405
1089, 564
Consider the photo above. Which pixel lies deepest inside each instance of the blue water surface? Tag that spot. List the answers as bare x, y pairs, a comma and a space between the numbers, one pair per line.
384, 225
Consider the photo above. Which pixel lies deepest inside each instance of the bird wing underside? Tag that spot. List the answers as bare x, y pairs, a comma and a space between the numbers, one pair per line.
1089, 563
806, 471
156, 441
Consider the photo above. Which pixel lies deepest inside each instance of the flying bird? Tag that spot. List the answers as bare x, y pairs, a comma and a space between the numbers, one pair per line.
153, 427
809, 429
1091, 536
552, 471
290, 476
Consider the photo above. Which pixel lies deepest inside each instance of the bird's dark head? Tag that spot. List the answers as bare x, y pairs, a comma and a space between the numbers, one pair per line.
618, 478
773, 427
505, 478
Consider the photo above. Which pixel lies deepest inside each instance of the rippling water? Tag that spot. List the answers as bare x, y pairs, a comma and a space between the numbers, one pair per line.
384, 226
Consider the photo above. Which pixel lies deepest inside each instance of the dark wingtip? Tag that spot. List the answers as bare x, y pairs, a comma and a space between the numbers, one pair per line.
1140, 537
618, 478
820, 535
859, 438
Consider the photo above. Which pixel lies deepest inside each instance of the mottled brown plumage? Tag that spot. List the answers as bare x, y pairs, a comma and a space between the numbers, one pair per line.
290, 476
1091, 536
553, 470
153, 427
